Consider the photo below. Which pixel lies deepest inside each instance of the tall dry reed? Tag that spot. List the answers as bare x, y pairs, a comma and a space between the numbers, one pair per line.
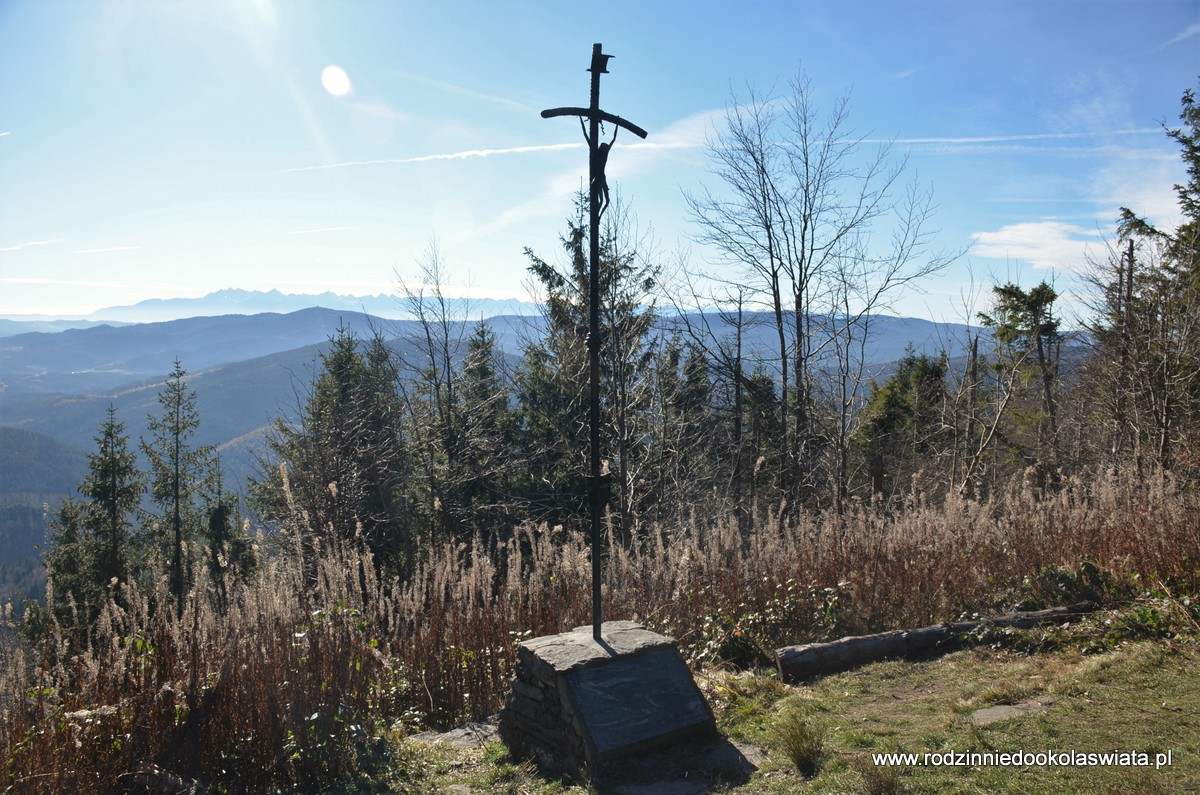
295, 682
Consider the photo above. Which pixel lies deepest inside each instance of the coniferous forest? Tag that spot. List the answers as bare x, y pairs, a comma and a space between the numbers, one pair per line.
418, 514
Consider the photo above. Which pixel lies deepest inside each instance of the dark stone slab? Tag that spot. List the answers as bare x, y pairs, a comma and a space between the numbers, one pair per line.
571, 651
635, 702
579, 704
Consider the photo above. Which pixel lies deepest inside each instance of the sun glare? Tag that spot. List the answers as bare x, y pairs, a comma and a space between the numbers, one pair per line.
336, 81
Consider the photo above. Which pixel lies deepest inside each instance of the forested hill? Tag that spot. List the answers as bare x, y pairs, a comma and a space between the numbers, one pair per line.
35, 470
109, 359
248, 369
35, 467
105, 358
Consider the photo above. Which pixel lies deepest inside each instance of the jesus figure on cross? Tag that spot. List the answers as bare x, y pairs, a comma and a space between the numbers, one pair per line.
600, 155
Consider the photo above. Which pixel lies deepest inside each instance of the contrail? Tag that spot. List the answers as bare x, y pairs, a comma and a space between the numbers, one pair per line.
1000, 139
20, 246
514, 150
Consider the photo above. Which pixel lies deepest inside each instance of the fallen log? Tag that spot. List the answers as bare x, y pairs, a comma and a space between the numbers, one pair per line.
818, 659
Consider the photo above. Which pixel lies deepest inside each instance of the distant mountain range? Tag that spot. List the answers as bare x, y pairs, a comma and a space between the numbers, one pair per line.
246, 369
254, 302
104, 358
112, 360
9, 327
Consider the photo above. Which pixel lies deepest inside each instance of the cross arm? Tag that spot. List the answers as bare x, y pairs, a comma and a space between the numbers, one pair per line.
601, 116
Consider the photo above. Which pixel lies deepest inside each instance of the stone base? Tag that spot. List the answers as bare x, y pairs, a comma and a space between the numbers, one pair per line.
578, 706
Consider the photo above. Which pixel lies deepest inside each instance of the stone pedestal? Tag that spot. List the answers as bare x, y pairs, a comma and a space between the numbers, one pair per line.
578, 706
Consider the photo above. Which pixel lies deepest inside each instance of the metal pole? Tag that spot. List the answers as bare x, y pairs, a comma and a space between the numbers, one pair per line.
597, 68
595, 178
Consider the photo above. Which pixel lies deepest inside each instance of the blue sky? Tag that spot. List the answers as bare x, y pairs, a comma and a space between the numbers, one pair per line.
159, 149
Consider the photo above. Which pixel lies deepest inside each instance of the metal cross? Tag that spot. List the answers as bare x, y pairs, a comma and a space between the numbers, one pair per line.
597, 159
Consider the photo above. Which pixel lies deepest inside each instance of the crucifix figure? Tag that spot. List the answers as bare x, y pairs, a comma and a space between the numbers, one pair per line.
599, 157
597, 190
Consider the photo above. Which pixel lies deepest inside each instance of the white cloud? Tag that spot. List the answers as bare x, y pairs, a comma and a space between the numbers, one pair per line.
513, 105
690, 132
105, 250
1142, 181
62, 282
338, 286
20, 246
1189, 32
631, 156
1091, 100
1045, 245
321, 229
687, 133
378, 109
376, 122
547, 204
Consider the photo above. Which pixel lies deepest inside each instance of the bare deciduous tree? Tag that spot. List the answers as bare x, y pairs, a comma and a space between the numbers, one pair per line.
800, 208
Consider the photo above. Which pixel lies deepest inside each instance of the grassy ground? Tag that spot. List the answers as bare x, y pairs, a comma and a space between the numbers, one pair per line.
1140, 697
1097, 689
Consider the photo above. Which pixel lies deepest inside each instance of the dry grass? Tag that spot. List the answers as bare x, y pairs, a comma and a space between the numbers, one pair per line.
300, 681
1140, 696
284, 685
800, 739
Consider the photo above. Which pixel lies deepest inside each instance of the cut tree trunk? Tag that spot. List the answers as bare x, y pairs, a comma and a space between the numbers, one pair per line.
818, 659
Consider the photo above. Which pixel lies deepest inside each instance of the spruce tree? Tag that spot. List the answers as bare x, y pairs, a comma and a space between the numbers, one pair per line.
91, 539
179, 474
72, 590
552, 383
486, 439
1149, 321
344, 456
114, 488
900, 431
1024, 325
229, 549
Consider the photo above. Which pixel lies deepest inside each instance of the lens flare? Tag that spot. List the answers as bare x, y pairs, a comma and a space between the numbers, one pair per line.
336, 81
